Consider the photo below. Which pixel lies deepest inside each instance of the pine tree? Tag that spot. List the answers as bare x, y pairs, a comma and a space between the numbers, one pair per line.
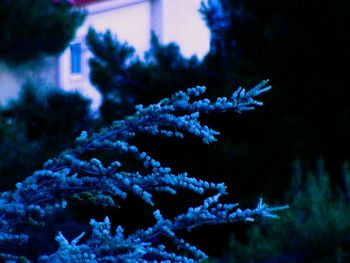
315, 229
31, 28
35, 127
125, 80
303, 47
107, 183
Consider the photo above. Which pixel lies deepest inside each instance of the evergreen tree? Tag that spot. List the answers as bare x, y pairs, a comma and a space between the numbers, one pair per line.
34, 128
315, 229
303, 47
125, 80
31, 28
74, 174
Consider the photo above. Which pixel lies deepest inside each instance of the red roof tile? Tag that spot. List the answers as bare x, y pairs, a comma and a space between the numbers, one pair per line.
83, 2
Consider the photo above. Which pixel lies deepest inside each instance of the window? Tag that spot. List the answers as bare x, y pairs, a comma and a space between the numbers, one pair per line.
75, 58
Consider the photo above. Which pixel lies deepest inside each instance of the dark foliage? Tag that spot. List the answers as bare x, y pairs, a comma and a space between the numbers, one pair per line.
315, 229
34, 128
302, 46
125, 81
26, 25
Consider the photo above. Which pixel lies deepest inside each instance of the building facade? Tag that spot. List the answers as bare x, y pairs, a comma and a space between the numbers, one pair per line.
43, 74
132, 21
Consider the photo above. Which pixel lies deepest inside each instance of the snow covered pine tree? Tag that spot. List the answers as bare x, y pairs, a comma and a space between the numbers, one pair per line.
48, 190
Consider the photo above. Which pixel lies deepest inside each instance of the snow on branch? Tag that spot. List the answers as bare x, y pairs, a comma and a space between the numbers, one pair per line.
49, 189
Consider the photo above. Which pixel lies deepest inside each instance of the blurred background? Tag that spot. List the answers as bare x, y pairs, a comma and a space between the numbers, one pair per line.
68, 66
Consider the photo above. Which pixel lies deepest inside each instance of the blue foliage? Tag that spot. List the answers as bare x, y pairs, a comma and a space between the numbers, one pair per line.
48, 190
216, 15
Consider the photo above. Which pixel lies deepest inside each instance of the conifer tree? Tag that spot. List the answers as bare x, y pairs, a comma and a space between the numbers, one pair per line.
35, 127
74, 174
315, 229
31, 28
303, 47
125, 80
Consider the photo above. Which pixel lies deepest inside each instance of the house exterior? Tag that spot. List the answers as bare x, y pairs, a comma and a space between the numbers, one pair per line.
44, 74
132, 21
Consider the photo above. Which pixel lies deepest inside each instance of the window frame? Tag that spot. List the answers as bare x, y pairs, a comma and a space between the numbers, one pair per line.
78, 59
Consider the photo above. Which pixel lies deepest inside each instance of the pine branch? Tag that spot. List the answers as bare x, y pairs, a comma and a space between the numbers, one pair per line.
48, 190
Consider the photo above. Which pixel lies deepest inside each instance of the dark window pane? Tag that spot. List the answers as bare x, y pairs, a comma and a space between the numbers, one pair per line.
75, 57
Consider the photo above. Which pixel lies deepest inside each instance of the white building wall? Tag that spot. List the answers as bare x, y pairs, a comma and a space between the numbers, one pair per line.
9, 84
183, 24
42, 73
133, 21
129, 20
